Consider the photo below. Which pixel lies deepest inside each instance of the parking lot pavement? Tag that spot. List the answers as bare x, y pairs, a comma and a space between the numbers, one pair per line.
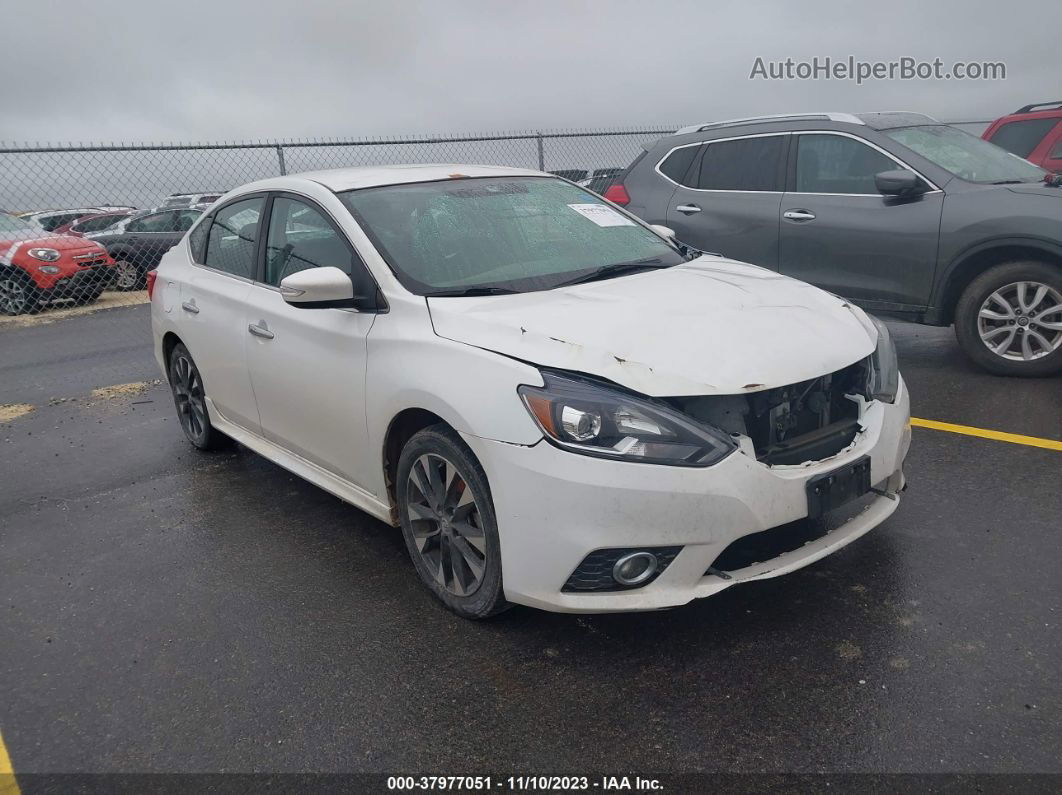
165, 610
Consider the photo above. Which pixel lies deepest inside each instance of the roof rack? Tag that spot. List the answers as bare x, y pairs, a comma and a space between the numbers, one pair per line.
842, 117
1045, 105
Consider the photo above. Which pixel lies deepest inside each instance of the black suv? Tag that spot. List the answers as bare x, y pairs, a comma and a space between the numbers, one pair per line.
901, 214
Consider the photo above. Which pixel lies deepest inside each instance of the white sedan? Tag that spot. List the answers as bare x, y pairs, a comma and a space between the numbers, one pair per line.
557, 404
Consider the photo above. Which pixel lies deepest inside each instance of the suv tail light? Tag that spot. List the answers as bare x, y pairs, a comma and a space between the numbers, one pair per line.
151, 276
617, 194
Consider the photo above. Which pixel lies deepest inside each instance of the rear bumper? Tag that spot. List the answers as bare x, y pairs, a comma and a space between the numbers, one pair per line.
556, 507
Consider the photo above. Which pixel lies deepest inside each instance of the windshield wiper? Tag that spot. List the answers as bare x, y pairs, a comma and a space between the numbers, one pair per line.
615, 269
1009, 182
471, 291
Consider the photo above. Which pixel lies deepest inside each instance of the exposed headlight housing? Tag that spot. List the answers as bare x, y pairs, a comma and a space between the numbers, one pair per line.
44, 254
883, 381
594, 419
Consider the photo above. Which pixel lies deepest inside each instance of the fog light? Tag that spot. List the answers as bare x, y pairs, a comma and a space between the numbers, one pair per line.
635, 568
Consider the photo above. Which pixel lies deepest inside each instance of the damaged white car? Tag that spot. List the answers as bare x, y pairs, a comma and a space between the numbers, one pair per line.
557, 404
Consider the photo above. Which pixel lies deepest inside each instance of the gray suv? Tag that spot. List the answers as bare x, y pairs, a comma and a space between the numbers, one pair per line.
897, 212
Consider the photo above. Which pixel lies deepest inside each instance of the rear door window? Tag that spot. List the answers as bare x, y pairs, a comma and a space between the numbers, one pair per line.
233, 238
1022, 137
742, 164
677, 164
159, 222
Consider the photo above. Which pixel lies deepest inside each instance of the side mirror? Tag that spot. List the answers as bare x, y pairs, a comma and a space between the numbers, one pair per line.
663, 231
900, 182
318, 288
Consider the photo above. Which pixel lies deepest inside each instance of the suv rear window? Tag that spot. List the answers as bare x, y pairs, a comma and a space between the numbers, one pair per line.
747, 164
676, 164
1021, 137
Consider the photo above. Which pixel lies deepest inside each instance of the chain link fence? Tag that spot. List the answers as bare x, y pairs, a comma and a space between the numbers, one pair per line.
84, 223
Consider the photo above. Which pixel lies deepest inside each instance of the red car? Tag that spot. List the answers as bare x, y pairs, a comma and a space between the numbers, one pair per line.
38, 267
1033, 132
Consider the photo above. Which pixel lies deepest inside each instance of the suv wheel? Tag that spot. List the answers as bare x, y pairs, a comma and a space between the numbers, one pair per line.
448, 523
18, 294
189, 397
127, 276
1009, 319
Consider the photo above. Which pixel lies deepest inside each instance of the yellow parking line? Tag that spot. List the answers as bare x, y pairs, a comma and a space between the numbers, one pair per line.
8, 785
999, 436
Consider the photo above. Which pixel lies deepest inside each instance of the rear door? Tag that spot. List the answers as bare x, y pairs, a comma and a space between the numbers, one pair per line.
839, 233
147, 238
213, 307
727, 199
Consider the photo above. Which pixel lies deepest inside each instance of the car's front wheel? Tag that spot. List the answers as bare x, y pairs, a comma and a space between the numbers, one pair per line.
189, 396
1009, 319
18, 294
448, 523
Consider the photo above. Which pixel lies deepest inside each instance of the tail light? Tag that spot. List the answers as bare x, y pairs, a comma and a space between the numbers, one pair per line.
617, 194
151, 276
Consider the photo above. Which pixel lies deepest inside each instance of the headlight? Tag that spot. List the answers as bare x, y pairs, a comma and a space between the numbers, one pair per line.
44, 254
50, 269
884, 380
595, 420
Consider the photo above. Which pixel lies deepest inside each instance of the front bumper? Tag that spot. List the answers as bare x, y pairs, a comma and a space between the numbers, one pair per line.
555, 507
86, 280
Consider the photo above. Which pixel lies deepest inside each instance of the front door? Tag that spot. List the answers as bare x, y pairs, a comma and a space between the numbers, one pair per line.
837, 232
308, 365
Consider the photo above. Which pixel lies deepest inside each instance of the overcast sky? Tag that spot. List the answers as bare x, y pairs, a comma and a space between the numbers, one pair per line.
248, 69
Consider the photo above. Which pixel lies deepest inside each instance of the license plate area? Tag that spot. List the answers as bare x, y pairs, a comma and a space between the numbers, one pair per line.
833, 489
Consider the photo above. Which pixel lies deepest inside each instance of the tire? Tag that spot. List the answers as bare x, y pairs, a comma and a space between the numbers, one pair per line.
189, 398
18, 294
128, 276
1023, 324
445, 544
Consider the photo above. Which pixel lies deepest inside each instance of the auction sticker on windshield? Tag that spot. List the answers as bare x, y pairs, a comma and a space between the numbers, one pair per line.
601, 215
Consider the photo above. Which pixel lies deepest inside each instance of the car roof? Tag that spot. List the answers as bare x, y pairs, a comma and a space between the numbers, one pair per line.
341, 179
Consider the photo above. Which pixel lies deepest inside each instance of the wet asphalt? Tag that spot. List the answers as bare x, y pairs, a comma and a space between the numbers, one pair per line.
166, 610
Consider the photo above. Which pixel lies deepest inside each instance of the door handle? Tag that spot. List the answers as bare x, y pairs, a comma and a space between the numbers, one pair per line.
189, 306
688, 209
260, 331
799, 215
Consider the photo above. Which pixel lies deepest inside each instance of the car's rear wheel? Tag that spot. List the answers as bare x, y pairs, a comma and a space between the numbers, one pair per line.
1009, 319
189, 396
18, 294
448, 523
128, 276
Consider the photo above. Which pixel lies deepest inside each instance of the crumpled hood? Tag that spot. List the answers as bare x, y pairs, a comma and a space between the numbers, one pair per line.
710, 326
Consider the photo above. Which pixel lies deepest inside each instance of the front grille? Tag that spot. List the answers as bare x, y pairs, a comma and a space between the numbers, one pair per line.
767, 545
595, 572
807, 421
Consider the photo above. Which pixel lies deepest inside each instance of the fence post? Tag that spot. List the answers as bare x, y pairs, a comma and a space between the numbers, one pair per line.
541, 153
280, 159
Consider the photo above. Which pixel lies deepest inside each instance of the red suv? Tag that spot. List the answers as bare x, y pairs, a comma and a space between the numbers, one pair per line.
38, 267
1033, 132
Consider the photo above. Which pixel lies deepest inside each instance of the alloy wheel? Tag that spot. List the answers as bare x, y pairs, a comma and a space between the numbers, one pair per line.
446, 524
13, 296
1022, 321
125, 275
189, 397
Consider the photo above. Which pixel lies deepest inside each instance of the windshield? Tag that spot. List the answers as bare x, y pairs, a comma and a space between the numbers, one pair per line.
967, 156
12, 226
508, 233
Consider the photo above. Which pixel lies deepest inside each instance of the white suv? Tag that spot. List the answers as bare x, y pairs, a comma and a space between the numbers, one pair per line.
557, 405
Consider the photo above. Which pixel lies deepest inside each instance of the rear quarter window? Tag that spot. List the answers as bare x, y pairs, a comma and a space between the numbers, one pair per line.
676, 165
